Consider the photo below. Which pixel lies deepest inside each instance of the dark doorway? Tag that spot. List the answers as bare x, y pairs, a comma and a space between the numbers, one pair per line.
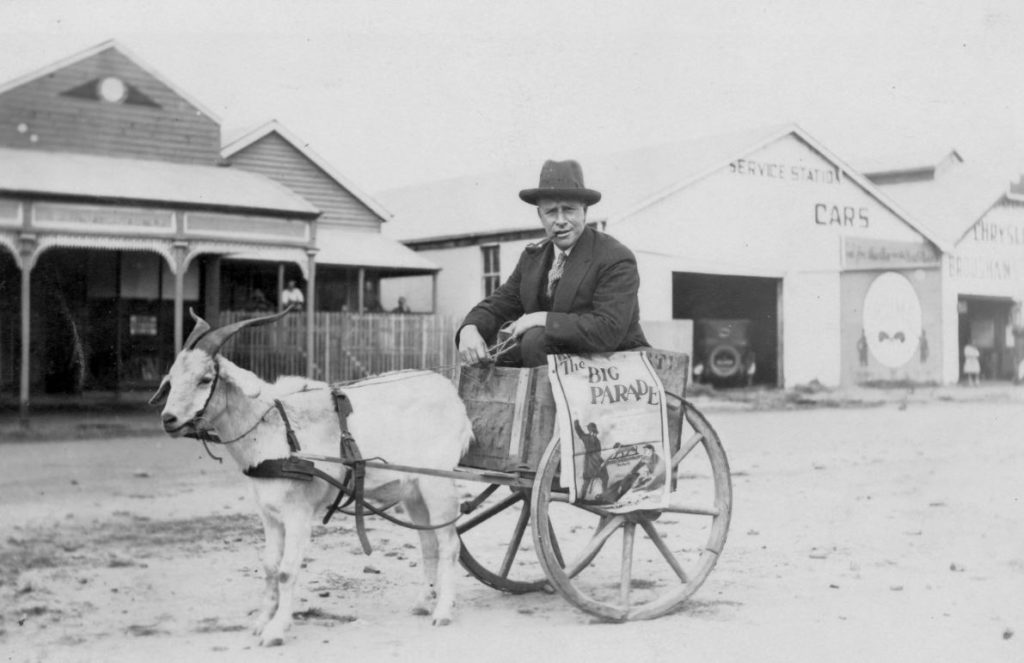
986, 321
740, 313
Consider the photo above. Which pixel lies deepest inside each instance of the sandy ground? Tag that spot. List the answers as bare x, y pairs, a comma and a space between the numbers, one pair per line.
883, 532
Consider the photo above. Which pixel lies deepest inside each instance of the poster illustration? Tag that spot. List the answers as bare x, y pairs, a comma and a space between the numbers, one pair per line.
613, 424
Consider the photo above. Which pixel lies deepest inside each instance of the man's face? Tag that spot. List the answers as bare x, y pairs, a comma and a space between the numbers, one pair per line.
563, 221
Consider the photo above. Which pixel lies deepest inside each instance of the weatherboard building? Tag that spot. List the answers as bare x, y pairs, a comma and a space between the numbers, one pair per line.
759, 248
121, 207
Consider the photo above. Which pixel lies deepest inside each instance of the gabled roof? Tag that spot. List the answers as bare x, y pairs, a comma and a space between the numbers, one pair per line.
273, 126
87, 176
907, 165
99, 48
629, 181
955, 201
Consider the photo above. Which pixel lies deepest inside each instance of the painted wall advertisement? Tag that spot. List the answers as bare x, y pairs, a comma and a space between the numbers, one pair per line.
888, 330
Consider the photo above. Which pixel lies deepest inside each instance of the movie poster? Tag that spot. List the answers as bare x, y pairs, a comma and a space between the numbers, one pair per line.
613, 424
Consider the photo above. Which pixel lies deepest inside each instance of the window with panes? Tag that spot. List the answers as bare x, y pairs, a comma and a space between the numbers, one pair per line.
492, 268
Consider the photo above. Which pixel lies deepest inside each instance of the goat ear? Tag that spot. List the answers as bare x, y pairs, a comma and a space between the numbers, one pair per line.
160, 397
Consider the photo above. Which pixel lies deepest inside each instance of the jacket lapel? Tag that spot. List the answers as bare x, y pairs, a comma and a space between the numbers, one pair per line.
576, 267
529, 292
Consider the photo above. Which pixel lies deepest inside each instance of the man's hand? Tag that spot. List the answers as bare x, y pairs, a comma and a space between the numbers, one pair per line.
472, 346
528, 321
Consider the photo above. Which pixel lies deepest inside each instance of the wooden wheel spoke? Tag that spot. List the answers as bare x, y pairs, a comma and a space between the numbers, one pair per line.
685, 448
693, 510
554, 544
659, 543
489, 512
627, 562
595, 544
513, 546
563, 498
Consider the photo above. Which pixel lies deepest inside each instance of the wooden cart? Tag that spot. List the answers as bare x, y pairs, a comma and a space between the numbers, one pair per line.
661, 558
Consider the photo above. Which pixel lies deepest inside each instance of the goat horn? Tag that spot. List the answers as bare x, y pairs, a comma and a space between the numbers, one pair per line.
202, 326
212, 341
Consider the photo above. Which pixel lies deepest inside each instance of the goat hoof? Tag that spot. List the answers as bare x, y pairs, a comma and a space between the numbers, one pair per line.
273, 642
420, 611
442, 621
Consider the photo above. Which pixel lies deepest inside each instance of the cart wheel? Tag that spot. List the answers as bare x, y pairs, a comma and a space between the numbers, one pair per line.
500, 557
664, 556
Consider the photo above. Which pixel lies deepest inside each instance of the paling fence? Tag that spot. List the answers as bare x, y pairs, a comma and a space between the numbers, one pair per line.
346, 346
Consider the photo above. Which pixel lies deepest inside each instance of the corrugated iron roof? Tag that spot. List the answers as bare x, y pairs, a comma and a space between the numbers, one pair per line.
99, 177
350, 248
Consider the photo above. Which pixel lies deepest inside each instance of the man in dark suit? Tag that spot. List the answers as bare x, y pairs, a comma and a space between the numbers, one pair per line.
574, 292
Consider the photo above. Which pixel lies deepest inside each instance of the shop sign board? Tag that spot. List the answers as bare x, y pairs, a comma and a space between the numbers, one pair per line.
95, 218
865, 253
250, 227
10, 212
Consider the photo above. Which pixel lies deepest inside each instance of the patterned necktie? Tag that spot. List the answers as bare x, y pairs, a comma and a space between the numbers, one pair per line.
556, 273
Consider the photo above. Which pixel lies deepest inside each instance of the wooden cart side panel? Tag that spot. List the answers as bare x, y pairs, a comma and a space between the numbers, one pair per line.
513, 411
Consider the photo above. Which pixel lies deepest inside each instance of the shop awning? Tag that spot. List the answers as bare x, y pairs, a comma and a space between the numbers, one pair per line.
352, 248
64, 174
339, 247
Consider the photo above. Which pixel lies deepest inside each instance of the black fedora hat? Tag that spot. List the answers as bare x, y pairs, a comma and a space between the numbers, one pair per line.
561, 179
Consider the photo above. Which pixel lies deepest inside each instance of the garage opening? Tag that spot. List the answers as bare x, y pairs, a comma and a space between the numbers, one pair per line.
735, 326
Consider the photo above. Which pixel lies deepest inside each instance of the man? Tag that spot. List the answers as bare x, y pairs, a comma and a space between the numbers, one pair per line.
574, 292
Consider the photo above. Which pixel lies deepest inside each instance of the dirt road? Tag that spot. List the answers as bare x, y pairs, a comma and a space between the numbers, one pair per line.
887, 533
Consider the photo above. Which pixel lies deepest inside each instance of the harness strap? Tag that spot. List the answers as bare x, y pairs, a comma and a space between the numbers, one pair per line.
356, 478
293, 442
299, 469
302, 469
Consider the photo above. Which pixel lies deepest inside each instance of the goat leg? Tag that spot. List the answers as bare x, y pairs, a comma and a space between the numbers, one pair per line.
298, 526
437, 503
446, 563
273, 534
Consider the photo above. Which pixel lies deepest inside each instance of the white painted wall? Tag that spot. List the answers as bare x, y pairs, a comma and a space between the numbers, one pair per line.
460, 283
950, 325
811, 328
779, 212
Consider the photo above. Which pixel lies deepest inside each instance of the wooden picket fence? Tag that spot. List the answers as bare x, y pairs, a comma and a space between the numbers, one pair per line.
346, 346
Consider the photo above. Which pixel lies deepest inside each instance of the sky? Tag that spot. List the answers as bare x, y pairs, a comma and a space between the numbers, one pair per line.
398, 93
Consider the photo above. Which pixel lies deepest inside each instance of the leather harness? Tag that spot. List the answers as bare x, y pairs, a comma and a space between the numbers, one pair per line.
301, 469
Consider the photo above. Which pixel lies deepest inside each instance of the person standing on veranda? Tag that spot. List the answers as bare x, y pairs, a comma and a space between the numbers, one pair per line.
292, 296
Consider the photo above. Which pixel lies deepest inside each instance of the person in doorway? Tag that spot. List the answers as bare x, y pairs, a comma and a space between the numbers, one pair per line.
972, 364
402, 307
573, 292
292, 296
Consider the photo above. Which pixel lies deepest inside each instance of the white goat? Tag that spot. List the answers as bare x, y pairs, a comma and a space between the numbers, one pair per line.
413, 418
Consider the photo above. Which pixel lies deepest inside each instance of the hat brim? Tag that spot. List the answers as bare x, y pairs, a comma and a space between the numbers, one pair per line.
587, 196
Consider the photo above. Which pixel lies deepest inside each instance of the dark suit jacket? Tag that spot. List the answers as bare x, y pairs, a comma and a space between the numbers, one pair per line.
595, 306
